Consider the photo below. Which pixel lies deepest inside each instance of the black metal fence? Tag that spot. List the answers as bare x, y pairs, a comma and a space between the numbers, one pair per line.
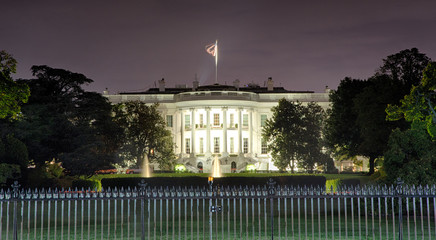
220, 212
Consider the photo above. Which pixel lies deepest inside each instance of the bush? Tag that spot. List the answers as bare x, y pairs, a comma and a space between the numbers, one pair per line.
333, 184
92, 184
225, 181
8, 172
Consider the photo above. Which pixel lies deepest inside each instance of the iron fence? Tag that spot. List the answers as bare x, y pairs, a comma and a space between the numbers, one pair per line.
220, 212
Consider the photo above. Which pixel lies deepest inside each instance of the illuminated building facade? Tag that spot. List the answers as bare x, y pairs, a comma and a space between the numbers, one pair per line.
223, 121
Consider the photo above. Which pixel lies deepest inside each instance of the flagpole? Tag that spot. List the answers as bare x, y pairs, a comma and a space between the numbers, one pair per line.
216, 62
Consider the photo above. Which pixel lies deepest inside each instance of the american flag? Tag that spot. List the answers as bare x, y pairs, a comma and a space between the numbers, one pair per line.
212, 49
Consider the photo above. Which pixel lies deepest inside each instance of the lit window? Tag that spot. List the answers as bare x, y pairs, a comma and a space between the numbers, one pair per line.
169, 120
216, 147
245, 149
232, 119
264, 147
187, 120
245, 120
188, 145
232, 145
263, 118
216, 119
201, 145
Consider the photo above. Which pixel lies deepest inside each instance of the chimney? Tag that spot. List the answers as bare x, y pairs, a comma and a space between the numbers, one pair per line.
270, 84
327, 89
236, 84
106, 92
162, 85
195, 83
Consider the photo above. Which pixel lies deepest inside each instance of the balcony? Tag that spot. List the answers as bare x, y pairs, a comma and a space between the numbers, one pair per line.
219, 95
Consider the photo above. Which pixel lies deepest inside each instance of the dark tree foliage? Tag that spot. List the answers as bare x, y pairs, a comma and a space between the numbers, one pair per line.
64, 122
356, 124
406, 66
343, 135
411, 155
370, 105
144, 134
13, 151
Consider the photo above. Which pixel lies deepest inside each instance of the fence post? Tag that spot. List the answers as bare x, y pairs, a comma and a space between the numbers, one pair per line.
399, 193
15, 196
210, 182
142, 186
271, 194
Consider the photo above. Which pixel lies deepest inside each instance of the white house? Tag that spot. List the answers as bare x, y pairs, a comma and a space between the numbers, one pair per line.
219, 120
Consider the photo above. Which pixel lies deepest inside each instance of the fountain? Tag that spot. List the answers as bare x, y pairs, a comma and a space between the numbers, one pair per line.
146, 168
216, 168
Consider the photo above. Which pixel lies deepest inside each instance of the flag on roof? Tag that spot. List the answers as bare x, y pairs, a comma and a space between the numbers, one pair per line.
212, 49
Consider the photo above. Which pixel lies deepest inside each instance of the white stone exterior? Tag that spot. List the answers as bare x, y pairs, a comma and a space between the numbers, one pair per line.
219, 121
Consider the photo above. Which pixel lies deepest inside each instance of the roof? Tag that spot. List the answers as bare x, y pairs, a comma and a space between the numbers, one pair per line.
217, 87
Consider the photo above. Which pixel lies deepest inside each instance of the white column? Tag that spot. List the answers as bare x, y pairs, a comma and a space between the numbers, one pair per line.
250, 129
192, 132
240, 131
182, 130
208, 153
225, 152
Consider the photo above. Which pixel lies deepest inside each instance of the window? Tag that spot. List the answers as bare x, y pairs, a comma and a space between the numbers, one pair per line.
216, 119
201, 120
232, 145
216, 145
201, 146
187, 120
263, 118
169, 120
188, 145
245, 149
232, 119
245, 120
264, 147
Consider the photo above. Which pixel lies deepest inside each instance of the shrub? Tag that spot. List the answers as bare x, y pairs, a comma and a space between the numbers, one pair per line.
333, 184
180, 168
8, 172
225, 181
92, 184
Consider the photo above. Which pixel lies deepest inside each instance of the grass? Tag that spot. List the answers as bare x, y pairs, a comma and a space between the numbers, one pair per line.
187, 219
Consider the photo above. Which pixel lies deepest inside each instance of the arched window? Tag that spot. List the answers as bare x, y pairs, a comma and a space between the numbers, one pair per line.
200, 167
233, 166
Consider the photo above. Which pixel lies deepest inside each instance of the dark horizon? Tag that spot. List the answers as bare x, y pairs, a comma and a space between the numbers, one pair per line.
130, 46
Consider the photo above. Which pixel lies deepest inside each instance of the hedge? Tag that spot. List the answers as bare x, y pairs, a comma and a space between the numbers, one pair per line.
225, 181
87, 184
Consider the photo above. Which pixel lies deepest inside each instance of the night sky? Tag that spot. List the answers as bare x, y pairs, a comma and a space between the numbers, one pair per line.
129, 45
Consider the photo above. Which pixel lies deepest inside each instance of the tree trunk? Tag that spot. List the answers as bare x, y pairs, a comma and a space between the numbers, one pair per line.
371, 164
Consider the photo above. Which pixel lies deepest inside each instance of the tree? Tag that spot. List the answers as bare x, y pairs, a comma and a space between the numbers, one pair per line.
64, 122
406, 67
418, 105
370, 105
12, 94
293, 135
356, 124
313, 118
342, 134
145, 134
15, 152
411, 155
